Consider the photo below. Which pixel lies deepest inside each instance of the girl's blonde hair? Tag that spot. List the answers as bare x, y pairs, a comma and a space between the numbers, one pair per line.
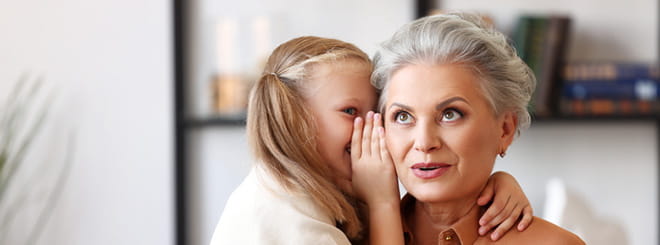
281, 134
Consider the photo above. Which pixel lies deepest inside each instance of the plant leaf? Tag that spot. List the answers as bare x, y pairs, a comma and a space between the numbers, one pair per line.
45, 214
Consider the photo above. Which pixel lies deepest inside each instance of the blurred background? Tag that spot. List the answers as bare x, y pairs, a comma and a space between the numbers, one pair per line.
122, 122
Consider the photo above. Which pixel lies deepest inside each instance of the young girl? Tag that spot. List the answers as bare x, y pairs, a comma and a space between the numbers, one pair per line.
300, 124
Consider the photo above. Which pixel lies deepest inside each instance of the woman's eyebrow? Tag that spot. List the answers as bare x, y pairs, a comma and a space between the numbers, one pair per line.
405, 107
440, 106
443, 104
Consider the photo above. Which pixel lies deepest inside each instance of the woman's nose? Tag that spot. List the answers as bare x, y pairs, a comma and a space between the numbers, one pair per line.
427, 139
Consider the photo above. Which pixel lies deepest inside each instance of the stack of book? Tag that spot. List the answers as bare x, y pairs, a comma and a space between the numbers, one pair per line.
610, 89
541, 41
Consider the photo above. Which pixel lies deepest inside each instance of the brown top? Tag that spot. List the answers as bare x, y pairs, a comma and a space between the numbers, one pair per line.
465, 230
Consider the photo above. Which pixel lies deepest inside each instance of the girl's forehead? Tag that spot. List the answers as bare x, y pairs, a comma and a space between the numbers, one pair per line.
320, 71
338, 77
337, 65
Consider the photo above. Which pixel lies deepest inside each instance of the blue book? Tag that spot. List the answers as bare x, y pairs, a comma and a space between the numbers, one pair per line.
609, 71
620, 89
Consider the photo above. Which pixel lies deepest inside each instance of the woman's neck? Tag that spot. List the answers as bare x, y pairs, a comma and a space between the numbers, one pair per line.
429, 219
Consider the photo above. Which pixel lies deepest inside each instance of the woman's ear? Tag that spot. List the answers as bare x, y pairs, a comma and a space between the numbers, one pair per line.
509, 125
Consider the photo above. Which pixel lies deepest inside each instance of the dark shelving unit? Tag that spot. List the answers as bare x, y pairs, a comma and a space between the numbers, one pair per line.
605, 118
179, 13
215, 122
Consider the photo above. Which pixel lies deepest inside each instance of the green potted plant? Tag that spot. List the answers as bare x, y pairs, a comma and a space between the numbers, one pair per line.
22, 118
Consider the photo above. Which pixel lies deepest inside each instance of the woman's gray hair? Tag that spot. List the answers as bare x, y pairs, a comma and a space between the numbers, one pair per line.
465, 39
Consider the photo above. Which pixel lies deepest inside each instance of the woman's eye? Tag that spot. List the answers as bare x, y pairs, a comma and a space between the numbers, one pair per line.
402, 117
451, 115
350, 111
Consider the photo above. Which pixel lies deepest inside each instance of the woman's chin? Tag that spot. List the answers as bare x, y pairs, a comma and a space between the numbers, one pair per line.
431, 194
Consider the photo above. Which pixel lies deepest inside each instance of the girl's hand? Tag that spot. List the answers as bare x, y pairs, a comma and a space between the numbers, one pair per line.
374, 177
374, 180
509, 205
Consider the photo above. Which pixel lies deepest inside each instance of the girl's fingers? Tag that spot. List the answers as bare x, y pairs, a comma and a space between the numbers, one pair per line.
366, 133
506, 225
493, 216
384, 154
506, 211
375, 143
485, 197
494, 209
526, 219
502, 217
379, 121
356, 140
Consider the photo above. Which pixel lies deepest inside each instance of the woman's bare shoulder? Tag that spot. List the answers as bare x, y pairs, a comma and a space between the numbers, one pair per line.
541, 231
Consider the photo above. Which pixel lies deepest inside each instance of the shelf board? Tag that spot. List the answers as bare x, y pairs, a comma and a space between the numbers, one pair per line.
594, 118
215, 121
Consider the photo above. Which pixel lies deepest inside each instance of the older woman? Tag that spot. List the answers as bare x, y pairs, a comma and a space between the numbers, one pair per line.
454, 96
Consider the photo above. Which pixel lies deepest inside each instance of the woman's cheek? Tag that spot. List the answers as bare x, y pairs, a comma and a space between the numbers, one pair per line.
393, 139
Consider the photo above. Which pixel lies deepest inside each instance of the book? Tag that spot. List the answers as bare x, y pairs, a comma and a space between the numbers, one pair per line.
611, 80
609, 71
527, 40
541, 41
621, 89
519, 36
609, 107
550, 75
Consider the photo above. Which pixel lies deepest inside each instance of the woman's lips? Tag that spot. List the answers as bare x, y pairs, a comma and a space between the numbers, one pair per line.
429, 170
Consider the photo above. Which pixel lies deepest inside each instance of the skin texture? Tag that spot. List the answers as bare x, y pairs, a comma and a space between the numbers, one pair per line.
374, 175
438, 114
435, 115
336, 94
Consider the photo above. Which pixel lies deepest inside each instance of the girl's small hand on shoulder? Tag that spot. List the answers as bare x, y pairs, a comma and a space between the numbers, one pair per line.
509, 205
374, 177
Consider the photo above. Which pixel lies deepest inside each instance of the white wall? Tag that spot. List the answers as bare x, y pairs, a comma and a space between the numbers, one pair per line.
611, 167
110, 62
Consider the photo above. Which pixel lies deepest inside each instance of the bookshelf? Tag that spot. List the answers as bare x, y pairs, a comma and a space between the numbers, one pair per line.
594, 119
215, 122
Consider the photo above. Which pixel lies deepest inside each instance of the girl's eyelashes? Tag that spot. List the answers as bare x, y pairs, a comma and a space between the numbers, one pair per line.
351, 111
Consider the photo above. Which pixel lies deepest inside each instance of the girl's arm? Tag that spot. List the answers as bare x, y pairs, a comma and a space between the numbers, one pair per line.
375, 181
509, 205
